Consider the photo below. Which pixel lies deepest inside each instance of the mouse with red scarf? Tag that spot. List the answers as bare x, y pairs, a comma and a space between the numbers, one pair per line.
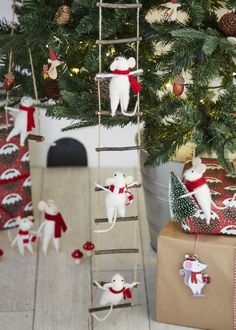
114, 292
197, 185
53, 225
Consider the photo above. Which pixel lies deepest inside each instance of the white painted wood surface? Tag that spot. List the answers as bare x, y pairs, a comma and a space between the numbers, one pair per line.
51, 293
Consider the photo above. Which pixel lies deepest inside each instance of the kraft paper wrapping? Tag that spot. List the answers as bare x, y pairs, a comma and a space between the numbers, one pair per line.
175, 301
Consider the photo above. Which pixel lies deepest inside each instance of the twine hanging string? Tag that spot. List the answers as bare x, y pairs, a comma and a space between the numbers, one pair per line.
195, 253
10, 59
234, 311
139, 143
35, 87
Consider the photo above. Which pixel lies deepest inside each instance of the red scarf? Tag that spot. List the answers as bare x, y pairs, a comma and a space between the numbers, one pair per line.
135, 85
27, 236
59, 223
192, 185
126, 292
194, 276
30, 117
129, 195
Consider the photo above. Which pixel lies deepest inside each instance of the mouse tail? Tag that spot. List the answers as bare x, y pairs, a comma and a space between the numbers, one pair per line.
110, 228
105, 317
130, 114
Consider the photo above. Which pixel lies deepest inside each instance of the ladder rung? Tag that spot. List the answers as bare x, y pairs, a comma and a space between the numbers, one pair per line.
118, 113
102, 220
108, 76
102, 283
119, 5
119, 148
104, 308
34, 137
107, 187
116, 251
118, 41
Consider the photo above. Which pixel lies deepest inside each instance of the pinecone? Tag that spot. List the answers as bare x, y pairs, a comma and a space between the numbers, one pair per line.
51, 88
227, 24
62, 16
104, 88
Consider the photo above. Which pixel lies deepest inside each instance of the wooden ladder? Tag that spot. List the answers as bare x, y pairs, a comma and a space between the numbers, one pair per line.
100, 77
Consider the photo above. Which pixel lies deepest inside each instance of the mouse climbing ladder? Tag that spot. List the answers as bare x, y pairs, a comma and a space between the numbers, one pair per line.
102, 112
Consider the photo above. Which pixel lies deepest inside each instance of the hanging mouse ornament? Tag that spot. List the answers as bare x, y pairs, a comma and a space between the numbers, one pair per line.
117, 198
193, 275
178, 86
114, 293
54, 63
122, 78
24, 119
196, 184
8, 82
171, 13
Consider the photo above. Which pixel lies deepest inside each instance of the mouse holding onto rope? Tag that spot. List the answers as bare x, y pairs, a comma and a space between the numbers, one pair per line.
114, 292
117, 198
197, 186
25, 236
53, 225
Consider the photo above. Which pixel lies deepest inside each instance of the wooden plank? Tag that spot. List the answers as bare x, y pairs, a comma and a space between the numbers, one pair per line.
115, 251
16, 320
37, 138
118, 113
130, 148
107, 187
121, 237
118, 41
64, 289
129, 318
119, 5
18, 273
102, 220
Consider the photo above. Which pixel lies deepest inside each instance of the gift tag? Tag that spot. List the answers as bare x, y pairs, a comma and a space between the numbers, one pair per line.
193, 275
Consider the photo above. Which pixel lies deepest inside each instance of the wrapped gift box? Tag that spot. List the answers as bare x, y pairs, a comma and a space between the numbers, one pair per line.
15, 181
175, 301
223, 187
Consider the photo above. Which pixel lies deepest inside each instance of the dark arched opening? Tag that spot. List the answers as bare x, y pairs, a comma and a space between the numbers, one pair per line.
67, 152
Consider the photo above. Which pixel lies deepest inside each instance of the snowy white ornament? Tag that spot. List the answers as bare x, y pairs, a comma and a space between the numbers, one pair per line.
114, 292
118, 196
24, 119
53, 225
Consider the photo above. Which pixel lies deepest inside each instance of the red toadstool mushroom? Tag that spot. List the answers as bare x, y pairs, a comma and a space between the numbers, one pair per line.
1, 253
77, 255
88, 247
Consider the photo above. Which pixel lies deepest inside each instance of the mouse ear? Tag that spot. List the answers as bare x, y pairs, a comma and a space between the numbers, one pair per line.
132, 62
196, 161
18, 220
201, 168
42, 205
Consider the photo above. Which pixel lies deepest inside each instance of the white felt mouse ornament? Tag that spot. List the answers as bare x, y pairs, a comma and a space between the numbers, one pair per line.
53, 225
197, 186
24, 119
117, 198
114, 293
25, 236
121, 81
172, 12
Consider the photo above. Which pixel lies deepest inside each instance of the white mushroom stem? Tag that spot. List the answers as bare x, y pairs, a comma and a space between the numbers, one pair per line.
77, 261
89, 253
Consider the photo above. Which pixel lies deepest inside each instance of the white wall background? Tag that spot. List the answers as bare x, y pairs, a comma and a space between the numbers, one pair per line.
51, 129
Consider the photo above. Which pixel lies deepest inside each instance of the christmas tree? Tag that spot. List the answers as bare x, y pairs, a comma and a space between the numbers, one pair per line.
195, 50
180, 208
